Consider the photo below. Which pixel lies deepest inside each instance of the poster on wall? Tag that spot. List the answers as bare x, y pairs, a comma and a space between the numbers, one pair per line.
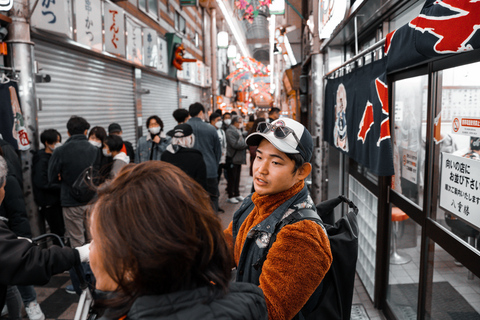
88, 20
409, 165
466, 126
114, 29
460, 187
150, 47
162, 55
53, 16
134, 42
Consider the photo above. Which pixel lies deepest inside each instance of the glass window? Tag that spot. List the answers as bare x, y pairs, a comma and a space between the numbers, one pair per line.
142, 4
410, 113
458, 146
153, 7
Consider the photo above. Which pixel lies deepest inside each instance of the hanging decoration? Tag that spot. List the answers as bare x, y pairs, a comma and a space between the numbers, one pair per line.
250, 10
246, 68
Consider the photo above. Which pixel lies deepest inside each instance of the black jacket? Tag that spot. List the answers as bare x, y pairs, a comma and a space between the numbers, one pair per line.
14, 210
190, 161
44, 193
130, 151
244, 301
13, 161
24, 263
69, 161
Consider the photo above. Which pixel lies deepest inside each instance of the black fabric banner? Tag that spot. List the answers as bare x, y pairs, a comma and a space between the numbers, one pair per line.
356, 117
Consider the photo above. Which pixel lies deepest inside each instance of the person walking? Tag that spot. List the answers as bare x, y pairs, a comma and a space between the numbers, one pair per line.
207, 143
236, 156
300, 257
153, 144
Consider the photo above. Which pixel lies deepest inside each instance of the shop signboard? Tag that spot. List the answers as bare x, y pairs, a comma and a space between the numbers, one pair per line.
200, 70
162, 55
53, 16
150, 47
6, 5
134, 42
114, 29
331, 13
466, 126
208, 76
88, 21
187, 67
409, 165
460, 187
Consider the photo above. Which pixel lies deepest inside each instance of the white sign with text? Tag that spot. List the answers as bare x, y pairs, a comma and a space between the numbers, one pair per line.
409, 165
114, 29
466, 126
162, 55
88, 15
53, 16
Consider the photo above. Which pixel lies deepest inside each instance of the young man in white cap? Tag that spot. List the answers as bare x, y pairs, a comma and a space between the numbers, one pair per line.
300, 256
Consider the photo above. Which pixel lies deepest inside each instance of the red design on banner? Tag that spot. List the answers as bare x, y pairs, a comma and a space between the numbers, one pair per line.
452, 31
388, 41
366, 123
112, 28
382, 92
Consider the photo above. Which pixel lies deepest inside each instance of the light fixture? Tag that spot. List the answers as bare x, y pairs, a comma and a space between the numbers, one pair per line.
293, 61
222, 39
241, 41
277, 7
232, 51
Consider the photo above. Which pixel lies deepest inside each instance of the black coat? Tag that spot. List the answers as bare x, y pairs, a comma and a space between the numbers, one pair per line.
24, 263
70, 160
13, 161
13, 208
190, 161
44, 193
130, 151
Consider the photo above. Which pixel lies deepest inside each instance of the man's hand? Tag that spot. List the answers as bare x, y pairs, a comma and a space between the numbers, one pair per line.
156, 139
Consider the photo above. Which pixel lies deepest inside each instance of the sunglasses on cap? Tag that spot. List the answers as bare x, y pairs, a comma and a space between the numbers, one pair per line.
280, 131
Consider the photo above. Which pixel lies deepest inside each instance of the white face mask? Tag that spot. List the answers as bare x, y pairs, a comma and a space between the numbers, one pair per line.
227, 121
95, 143
58, 144
154, 130
106, 153
218, 124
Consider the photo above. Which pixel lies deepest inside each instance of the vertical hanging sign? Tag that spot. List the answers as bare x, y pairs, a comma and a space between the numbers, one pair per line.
150, 47
134, 42
187, 67
53, 16
114, 29
199, 79
88, 15
162, 55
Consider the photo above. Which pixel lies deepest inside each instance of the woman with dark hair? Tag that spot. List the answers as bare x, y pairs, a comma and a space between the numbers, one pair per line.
113, 149
153, 144
97, 136
159, 248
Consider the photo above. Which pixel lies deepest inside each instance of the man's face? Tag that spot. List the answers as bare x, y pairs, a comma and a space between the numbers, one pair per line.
2, 192
214, 121
275, 115
272, 170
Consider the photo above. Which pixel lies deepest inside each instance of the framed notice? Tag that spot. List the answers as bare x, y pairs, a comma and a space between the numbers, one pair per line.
460, 187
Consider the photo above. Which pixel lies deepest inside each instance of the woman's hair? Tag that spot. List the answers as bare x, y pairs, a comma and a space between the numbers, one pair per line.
157, 119
160, 235
99, 133
255, 125
114, 143
50, 136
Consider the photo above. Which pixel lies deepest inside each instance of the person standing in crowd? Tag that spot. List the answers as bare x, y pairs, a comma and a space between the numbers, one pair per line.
14, 163
273, 114
236, 156
251, 121
97, 136
114, 129
301, 256
208, 144
181, 154
26, 263
159, 247
113, 148
253, 149
181, 115
153, 144
69, 161
216, 122
227, 120
46, 195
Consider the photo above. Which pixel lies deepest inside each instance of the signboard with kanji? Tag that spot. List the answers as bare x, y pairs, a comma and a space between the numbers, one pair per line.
162, 55
88, 15
466, 126
53, 16
114, 29
134, 42
460, 187
150, 47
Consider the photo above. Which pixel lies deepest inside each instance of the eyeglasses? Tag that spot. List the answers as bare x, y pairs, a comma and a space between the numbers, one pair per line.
280, 131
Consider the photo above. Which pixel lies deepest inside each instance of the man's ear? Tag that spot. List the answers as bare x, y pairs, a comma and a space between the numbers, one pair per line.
304, 171
85, 132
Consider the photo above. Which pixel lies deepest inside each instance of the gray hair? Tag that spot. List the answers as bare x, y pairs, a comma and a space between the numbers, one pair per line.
3, 171
236, 119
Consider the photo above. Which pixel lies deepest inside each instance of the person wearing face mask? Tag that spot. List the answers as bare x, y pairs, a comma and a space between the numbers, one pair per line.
97, 137
45, 194
153, 144
216, 121
227, 120
236, 156
113, 149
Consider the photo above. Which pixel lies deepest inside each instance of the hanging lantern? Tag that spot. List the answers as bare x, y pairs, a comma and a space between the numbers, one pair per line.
232, 52
222, 39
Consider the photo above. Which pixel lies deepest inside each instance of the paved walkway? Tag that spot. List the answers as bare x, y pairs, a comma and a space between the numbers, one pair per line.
57, 304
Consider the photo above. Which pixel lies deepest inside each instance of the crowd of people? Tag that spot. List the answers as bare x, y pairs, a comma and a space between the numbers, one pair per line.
158, 248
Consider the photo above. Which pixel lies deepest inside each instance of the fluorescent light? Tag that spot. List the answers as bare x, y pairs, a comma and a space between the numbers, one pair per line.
228, 17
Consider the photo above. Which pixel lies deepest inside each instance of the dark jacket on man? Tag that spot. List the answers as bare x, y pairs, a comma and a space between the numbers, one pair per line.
207, 142
13, 210
44, 193
130, 152
70, 160
236, 145
13, 161
190, 161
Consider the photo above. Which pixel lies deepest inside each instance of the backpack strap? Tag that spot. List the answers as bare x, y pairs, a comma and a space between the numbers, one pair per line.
296, 216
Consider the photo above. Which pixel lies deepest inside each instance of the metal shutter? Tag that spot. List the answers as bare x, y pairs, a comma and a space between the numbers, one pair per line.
161, 101
99, 90
191, 94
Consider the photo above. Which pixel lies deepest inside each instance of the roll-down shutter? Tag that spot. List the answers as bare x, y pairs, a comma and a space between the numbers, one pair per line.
97, 89
191, 94
161, 101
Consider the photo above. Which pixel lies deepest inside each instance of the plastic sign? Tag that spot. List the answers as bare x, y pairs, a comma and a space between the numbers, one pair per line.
6, 5
331, 13
466, 126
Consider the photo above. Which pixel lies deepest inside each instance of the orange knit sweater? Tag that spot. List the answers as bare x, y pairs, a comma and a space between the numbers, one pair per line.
297, 261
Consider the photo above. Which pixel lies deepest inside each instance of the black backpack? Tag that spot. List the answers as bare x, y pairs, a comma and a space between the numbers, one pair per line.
84, 187
332, 299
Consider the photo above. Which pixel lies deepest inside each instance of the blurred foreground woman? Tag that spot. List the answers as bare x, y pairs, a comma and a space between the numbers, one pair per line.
159, 248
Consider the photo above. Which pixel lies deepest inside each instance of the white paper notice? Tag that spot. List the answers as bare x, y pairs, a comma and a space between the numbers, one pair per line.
409, 165
466, 126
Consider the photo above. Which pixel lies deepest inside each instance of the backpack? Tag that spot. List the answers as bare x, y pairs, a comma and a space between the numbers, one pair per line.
84, 187
332, 299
